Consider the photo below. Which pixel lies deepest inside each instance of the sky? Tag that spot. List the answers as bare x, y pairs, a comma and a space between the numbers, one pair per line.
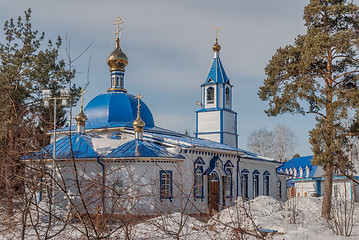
169, 47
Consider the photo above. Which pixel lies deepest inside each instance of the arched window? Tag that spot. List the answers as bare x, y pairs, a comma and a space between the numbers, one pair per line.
255, 183
228, 184
244, 183
210, 95
266, 183
228, 101
198, 183
214, 177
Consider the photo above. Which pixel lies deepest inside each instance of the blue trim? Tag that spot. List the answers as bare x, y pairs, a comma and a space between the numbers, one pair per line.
238, 160
221, 126
228, 164
215, 132
196, 134
170, 197
199, 161
217, 98
215, 109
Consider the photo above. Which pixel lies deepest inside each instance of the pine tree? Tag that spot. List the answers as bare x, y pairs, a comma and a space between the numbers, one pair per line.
26, 68
318, 74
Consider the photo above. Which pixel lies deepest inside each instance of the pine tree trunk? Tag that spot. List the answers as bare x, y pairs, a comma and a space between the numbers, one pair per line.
328, 186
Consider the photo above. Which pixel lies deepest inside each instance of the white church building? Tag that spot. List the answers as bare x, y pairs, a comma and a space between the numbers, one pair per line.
119, 159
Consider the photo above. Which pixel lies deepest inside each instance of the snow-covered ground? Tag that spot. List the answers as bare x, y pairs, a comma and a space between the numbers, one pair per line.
260, 213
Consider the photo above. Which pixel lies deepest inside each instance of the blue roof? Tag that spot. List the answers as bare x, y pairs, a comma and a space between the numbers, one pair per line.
217, 73
81, 148
298, 162
138, 148
115, 109
301, 162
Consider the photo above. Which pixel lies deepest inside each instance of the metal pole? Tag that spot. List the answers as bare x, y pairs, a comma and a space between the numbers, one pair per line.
55, 99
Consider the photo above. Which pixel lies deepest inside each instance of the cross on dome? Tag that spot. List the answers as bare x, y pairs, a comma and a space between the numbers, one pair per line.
118, 23
217, 29
138, 103
82, 98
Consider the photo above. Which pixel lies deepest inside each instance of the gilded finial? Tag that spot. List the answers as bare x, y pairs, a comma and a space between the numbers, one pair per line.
138, 124
118, 23
216, 47
81, 118
117, 60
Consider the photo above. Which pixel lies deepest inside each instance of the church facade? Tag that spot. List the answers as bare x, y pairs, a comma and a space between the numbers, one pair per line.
118, 159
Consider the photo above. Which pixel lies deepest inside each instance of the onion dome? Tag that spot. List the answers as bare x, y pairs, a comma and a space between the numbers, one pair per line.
81, 117
117, 60
138, 124
216, 47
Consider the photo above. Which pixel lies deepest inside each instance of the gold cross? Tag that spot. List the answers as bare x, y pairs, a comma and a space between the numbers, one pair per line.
216, 32
118, 22
138, 104
82, 98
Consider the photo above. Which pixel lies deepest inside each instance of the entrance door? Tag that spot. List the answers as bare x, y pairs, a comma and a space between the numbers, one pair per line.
213, 195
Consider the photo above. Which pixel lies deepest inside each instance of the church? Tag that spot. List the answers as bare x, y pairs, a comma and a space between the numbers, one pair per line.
118, 159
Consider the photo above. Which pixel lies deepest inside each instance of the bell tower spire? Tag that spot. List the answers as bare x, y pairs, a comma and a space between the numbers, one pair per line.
216, 120
117, 61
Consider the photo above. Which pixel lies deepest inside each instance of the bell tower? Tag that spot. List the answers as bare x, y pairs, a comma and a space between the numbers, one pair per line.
216, 120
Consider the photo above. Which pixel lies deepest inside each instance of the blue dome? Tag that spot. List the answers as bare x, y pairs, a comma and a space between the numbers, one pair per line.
115, 109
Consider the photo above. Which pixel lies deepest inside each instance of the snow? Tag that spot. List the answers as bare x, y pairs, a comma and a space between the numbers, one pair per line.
104, 146
260, 213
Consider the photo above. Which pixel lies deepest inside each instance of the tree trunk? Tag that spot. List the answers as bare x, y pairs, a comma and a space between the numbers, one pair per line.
328, 186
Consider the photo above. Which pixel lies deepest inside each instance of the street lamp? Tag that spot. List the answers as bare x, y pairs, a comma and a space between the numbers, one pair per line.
46, 96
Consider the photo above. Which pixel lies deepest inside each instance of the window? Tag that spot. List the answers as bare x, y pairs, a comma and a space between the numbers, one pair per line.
228, 101
166, 184
210, 95
266, 183
255, 183
279, 189
198, 183
228, 184
213, 177
244, 183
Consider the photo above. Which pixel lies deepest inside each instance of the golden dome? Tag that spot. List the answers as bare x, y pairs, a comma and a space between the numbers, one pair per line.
81, 117
138, 124
216, 47
117, 60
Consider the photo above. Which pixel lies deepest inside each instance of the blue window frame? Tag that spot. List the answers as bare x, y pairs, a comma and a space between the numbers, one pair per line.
255, 183
244, 183
266, 183
166, 190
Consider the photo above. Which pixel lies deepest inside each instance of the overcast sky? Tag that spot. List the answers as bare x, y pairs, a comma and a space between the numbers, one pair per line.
169, 47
